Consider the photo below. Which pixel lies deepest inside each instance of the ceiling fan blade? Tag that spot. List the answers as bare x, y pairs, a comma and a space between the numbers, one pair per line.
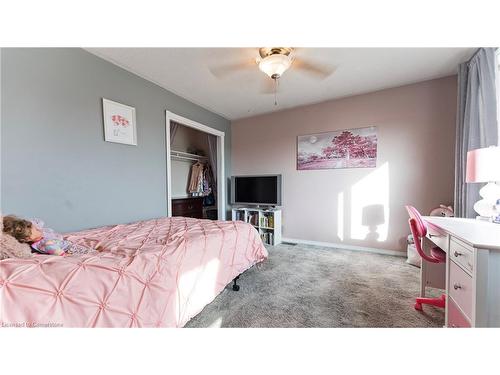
318, 70
224, 70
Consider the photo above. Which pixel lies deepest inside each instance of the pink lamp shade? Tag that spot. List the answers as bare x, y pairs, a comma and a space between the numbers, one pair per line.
483, 165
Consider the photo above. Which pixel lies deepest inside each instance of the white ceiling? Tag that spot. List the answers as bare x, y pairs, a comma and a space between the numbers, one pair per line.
186, 72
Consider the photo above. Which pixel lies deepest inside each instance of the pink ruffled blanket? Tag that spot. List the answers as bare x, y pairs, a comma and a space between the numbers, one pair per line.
155, 273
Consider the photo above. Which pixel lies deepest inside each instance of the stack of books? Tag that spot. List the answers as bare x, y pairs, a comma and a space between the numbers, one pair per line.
267, 237
240, 215
267, 221
253, 218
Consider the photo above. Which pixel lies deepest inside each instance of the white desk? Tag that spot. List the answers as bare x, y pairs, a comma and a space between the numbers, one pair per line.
472, 275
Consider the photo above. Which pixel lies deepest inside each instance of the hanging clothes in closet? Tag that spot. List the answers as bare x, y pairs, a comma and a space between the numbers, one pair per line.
201, 180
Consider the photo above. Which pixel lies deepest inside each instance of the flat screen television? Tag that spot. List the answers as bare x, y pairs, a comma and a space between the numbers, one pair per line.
262, 190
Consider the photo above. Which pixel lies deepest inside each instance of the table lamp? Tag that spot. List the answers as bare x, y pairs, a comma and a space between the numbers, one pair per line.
483, 165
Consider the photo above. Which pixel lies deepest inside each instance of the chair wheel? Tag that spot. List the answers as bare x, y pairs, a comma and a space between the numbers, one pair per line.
418, 306
236, 288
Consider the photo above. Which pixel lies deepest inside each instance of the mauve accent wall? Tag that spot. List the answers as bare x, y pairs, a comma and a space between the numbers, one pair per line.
55, 164
358, 207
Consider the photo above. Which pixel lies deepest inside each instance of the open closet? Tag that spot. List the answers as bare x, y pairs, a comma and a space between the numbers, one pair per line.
193, 163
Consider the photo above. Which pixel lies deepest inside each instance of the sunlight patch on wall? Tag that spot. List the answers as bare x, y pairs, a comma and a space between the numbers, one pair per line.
370, 206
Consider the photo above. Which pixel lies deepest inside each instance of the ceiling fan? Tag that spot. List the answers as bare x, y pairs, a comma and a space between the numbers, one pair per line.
274, 62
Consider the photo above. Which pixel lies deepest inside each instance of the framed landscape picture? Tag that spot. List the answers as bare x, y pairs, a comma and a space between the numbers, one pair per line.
353, 148
119, 123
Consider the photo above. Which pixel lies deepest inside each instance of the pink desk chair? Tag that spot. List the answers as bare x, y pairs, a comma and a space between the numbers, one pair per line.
436, 255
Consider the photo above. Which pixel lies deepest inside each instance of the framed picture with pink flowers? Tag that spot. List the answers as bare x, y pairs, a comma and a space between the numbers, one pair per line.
352, 148
119, 123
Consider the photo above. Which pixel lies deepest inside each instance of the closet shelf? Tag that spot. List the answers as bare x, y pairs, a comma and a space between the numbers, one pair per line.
187, 156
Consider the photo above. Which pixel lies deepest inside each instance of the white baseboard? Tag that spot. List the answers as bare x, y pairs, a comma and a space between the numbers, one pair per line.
345, 247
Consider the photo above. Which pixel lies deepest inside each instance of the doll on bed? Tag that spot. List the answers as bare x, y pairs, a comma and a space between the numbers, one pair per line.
42, 240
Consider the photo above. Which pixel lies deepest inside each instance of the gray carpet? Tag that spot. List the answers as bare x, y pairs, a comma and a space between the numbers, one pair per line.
308, 286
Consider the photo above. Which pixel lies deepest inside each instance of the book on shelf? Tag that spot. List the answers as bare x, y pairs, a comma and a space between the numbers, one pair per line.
267, 237
253, 218
239, 215
267, 221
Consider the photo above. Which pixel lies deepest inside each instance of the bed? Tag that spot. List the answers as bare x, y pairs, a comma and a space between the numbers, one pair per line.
154, 273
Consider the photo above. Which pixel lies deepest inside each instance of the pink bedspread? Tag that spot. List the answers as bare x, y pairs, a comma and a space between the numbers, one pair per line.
155, 273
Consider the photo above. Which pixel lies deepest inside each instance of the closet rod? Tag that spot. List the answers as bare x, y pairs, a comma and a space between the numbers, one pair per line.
187, 156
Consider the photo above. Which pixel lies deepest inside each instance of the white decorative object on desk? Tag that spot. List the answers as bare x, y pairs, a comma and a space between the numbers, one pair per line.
496, 218
483, 165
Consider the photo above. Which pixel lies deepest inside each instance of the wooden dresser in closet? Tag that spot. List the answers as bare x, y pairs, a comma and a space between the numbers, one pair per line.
188, 207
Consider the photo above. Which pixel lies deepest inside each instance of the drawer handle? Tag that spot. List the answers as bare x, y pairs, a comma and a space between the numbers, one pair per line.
434, 235
457, 254
190, 207
457, 286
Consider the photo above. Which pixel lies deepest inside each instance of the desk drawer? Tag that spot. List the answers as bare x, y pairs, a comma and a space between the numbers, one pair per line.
460, 288
455, 317
437, 236
462, 255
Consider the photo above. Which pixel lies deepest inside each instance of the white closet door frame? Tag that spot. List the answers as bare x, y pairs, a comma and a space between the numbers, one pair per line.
221, 186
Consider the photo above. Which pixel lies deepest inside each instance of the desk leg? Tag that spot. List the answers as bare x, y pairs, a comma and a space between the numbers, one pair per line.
447, 282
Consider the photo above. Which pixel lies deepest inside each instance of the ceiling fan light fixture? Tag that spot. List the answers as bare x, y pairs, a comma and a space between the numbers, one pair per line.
275, 65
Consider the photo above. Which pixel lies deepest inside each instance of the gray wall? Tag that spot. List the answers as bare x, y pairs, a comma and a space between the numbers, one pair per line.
55, 163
